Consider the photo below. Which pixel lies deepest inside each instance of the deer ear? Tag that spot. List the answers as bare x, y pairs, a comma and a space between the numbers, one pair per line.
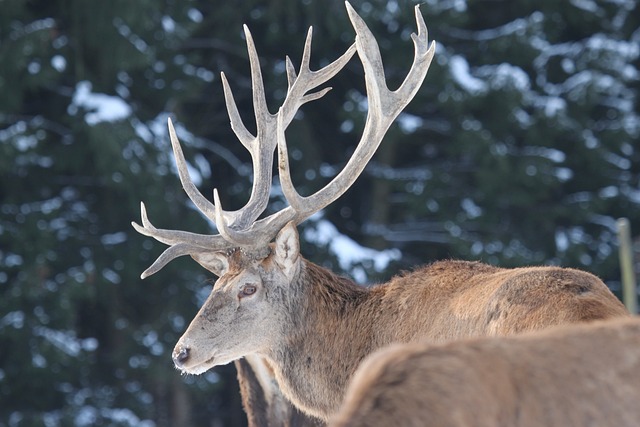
287, 249
215, 262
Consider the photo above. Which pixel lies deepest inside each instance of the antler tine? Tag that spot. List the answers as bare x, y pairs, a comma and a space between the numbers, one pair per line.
171, 253
205, 206
238, 127
384, 107
307, 79
259, 98
224, 230
181, 242
171, 237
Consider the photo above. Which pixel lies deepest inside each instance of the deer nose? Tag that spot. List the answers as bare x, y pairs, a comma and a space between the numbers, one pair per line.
180, 356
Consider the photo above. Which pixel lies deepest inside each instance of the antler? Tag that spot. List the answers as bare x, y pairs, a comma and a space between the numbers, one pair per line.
384, 107
240, 228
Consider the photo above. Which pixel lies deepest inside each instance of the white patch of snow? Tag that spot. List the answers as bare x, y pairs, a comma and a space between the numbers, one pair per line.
14, 319
66, 341
587, 5
409, 123
554, 105
113, 238
195, 15
104, 108
562, 241
348, 251
168, 24
460, 71
471, 208
555, 155
59, 63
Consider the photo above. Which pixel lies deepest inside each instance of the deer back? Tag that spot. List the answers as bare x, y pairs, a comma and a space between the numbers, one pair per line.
455, 299
572, 375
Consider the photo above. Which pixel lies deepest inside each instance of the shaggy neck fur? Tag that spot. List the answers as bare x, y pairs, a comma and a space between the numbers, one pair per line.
323, 342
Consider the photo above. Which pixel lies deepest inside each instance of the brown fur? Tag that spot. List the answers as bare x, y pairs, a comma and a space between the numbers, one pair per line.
339, 323
568, 376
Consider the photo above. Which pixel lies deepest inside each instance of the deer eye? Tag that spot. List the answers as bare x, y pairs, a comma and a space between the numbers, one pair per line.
248, 290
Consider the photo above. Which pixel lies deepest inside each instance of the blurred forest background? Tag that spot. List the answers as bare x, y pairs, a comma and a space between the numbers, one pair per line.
522, 147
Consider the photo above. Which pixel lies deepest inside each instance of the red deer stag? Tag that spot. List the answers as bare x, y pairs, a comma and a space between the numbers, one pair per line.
566, 376
309, 327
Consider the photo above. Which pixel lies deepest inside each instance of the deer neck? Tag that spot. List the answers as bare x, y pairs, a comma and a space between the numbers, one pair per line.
324, 340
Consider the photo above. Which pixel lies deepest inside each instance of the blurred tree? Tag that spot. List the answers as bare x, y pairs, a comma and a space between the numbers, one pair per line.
84, 341
521, 148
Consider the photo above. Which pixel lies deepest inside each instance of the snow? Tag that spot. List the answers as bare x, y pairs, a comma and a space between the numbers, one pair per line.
409, 123
562, 241
195, 15
608, 192
12, 260
66, 341
102, 107
113, 238
168, 24
143, 131
632, 194
19, 30
59, 63
460, 71
552, 154
623, 49
563, 174
554, 105
587, 5
517, 26
111, 276
471, 208
618, 161
15, 129
88, 415
125, 31
14, 319
348, 251
34, 67
505, 75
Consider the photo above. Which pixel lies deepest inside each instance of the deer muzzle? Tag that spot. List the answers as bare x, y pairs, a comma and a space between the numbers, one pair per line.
180, 356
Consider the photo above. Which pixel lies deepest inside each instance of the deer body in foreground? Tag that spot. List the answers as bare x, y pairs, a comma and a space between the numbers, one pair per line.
568, 376
307, 326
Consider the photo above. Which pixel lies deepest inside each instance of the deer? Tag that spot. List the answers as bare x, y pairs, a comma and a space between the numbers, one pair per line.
303, 328
570, 375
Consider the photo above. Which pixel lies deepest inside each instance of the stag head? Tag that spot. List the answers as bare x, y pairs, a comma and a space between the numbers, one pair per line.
243, 305
246, 308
